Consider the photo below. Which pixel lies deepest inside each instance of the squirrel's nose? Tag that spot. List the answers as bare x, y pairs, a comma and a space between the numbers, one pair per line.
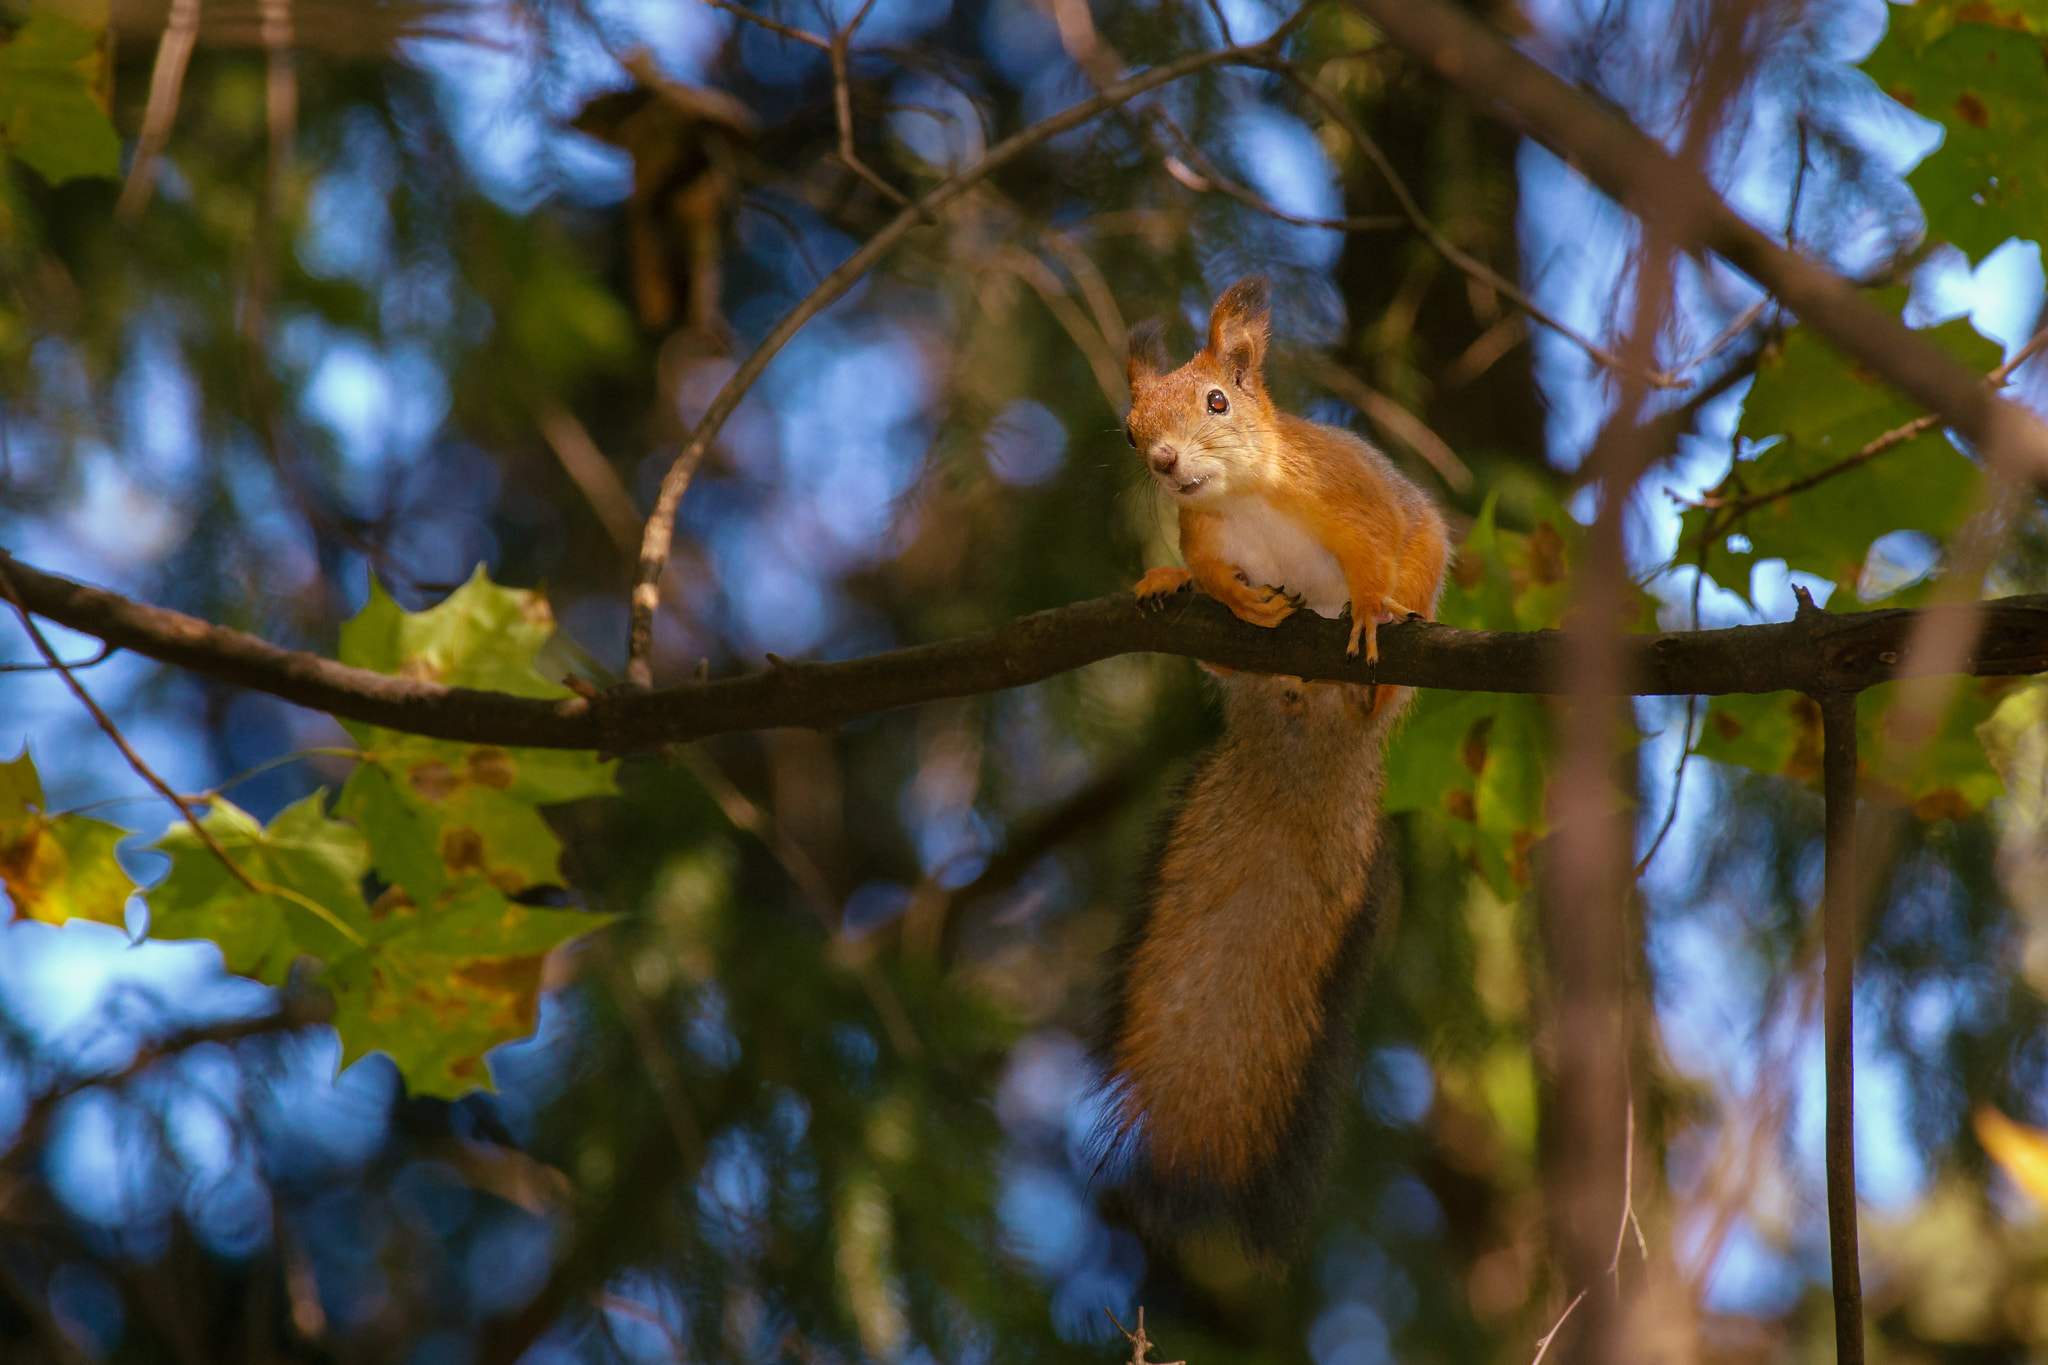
1164, 458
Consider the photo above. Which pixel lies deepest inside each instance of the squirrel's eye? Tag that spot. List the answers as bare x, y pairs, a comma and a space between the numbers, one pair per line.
1131, 436
1217, 402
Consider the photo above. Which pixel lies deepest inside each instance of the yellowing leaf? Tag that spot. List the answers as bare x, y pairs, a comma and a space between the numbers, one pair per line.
51, 112
2021, 1152
437, 987
57, 867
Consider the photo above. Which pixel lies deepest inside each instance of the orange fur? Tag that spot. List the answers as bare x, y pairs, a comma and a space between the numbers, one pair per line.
1231, 987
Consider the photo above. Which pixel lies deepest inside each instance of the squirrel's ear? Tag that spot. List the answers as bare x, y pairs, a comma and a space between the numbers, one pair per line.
1148, 350
1239, 326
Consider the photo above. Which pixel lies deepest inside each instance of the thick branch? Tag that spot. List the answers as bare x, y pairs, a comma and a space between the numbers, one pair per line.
1655, 186
1818, 653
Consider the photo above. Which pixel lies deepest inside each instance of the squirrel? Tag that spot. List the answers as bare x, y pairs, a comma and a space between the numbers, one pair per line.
1235, 986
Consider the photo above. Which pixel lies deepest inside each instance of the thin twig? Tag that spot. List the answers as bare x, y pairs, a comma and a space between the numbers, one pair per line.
842, 108
1487, 348
811, 884
660, 529
1727, 334
654, 1054
1544, 1345
1140, 1343
1101, 301
1443, 245
1677, 787
1099, 350
1628, 1202
147, 774
774, 26
280, 97
594, 475
166, 82
100, 656
1730, 510
1200, 174
112, 732
1411, 430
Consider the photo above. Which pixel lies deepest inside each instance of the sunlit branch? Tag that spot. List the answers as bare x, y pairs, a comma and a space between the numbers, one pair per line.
166, 82
1099, 351
1649, 182
660, 530
1409, 429
1200, 174
1821, 652
1444, 246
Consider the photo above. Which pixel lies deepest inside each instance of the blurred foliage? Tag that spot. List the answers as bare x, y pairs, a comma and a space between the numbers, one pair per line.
808, 1074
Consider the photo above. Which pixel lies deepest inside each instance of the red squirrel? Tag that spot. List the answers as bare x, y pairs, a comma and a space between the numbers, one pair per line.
1235, 986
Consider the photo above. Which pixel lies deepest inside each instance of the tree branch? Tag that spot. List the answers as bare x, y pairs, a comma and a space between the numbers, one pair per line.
1652, 184
1823, 653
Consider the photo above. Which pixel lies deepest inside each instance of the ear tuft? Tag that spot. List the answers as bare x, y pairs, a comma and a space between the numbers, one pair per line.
1148, 350
1239, 327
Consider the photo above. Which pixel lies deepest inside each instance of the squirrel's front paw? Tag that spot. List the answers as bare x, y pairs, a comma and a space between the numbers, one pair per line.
1265, 605
1159, 584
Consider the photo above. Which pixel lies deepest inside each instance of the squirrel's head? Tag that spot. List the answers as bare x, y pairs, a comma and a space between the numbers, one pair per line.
1207, 429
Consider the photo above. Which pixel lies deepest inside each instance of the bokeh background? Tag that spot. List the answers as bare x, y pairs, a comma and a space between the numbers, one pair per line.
464, 310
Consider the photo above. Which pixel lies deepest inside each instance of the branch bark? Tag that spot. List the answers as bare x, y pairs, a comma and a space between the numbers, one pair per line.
1822, 652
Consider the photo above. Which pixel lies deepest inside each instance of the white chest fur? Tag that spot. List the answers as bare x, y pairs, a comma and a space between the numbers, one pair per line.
1270, 549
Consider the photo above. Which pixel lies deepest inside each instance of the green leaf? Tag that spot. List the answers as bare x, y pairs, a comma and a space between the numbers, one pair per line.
1780, 733
1480, 759
309, 867
1987, 85
1915, 26
51, 113
437, 811
1820, 408
1953, 776
57, 867
1769, 732
437, 988
480, 635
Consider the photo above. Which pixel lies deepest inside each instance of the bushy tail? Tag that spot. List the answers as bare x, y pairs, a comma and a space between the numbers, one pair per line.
1225, 1043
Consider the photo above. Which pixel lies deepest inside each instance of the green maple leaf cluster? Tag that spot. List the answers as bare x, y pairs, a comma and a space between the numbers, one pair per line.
401, 893
1479, 761
1810, 410
1980, 70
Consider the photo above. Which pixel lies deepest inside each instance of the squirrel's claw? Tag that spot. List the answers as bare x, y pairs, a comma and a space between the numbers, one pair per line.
1159, 584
